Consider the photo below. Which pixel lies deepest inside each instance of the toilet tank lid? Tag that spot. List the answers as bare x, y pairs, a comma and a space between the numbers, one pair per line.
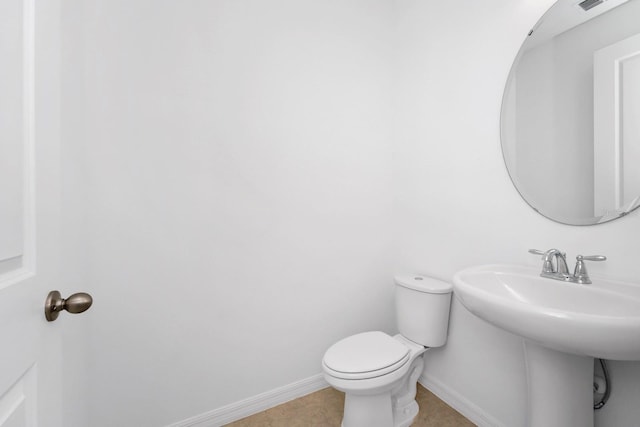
424, 284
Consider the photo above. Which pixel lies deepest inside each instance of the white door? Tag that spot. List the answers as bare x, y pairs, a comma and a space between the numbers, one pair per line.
616, 127
30, 348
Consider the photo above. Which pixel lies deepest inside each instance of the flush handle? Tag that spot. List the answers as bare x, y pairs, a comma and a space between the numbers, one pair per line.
76, 303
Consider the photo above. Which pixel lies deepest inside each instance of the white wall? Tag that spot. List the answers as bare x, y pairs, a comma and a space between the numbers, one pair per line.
456, 206
230, 178
234, 162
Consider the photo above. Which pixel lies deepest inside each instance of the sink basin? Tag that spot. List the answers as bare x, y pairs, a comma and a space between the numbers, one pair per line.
598, 320
563, 325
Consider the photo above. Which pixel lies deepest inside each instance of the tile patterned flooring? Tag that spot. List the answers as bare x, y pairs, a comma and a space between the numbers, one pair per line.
324, 409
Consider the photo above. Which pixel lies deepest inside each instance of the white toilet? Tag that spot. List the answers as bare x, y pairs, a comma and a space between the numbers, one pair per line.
377, 372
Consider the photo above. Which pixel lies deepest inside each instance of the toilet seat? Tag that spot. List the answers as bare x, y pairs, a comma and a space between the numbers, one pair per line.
366, 355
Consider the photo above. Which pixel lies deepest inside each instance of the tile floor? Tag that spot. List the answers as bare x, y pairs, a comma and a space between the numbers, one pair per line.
324, 409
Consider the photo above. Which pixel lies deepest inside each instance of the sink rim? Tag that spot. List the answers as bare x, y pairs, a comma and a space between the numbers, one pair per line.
531, 273
573, 331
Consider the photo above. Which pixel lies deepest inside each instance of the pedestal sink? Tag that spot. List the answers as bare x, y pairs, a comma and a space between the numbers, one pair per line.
564, 326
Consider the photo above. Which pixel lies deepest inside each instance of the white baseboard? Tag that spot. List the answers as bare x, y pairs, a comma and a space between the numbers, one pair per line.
253, 405
460, 403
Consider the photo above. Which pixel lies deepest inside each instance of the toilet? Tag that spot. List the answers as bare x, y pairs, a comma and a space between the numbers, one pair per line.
377, 372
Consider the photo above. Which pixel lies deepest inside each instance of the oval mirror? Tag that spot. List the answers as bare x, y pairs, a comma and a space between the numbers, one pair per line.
570, 121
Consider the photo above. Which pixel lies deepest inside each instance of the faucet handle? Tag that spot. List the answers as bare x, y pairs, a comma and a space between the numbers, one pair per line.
550, 251
580, 273
591, 258
547, 267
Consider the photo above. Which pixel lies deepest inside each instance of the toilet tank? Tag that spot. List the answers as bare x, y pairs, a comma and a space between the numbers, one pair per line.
422, 309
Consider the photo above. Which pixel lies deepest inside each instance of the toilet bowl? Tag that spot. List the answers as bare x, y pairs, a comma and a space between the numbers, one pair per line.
377, 372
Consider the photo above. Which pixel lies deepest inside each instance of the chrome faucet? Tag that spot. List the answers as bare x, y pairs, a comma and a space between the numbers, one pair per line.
561, 270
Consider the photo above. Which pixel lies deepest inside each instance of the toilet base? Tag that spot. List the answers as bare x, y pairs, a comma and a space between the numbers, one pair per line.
405, 407
360, 413
394, 408
372, 410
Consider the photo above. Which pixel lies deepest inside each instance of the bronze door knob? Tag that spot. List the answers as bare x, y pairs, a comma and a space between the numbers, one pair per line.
76, 303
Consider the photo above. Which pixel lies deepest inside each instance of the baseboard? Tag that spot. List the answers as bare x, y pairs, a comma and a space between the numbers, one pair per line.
253, 405
458, 402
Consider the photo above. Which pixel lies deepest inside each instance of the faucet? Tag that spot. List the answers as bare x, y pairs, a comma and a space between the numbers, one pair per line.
561, 270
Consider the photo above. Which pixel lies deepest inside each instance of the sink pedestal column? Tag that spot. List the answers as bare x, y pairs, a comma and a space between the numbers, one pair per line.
560, 388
